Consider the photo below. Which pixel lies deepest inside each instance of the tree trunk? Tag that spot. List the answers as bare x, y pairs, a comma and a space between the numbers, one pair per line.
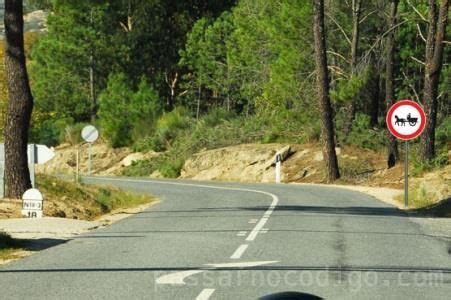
322, 77
434, 58
393, 153
92, 88
17, 174
351, 109
375, 94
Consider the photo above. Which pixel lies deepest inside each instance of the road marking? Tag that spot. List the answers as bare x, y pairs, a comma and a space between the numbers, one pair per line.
205, 294
241, 233
239, 252
264, 230
253, 221
245, 264
264, 219
252, 235
178, 278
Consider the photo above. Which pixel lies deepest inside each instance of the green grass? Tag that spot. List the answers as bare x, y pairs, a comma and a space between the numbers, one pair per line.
420, 197
82, 201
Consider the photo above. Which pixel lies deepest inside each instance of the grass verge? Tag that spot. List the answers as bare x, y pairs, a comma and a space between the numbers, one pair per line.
425, 201
86, 202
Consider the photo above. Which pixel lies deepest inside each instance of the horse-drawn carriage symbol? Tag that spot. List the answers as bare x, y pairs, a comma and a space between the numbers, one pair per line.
401, 121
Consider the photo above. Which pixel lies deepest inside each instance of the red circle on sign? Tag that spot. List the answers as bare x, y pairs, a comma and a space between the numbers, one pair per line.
391, 127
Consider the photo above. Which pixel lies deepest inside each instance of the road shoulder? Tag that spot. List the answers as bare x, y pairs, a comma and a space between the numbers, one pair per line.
40, 234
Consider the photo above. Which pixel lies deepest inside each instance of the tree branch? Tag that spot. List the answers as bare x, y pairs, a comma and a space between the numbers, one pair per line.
382, 36
421, 33
417, 60
411, 87
417, 12
337, 54
365, 17
339, 27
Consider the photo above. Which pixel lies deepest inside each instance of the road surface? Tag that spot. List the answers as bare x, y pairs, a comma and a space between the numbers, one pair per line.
241, 241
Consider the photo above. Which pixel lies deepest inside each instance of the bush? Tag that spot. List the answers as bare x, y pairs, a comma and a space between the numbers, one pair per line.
46, 133
171, 167
140, 168
362, 135
217, 116
442, 133
53, 132
72, 133
167, 128
126, 116
421, 166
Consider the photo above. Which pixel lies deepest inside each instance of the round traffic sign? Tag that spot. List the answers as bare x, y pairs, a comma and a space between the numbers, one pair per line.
406, 120
90, 134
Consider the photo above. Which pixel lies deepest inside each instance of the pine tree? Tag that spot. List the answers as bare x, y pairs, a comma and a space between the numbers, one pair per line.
20, 106
322, 76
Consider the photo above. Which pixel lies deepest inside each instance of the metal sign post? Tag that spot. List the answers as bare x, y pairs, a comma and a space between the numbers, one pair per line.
90, 158
406, 176
406, 121
77, 170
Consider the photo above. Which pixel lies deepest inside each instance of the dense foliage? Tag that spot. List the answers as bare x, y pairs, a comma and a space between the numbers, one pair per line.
168, 74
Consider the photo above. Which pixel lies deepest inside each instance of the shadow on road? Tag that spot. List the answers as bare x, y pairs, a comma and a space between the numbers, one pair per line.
388, 269
349, 210
290, 296
118, 234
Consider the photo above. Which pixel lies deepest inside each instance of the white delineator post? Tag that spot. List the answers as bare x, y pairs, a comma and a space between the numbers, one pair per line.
278, 167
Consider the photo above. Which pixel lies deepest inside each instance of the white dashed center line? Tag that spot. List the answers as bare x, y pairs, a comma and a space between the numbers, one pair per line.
239, 252
205, 294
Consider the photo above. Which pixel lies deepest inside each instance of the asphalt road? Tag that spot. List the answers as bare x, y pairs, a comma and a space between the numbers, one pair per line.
241, 241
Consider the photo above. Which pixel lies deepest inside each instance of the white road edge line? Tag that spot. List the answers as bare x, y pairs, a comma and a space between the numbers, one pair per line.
252, 235
205, 294
239, 251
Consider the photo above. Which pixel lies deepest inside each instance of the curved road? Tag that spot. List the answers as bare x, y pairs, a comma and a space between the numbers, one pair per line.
241, 241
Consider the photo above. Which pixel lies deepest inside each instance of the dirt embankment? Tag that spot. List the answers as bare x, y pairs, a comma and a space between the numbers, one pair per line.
255, 163
359, 168
105, 160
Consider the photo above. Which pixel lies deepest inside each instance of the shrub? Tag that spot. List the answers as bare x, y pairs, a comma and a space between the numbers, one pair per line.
46, 133
362, 135
72, 133
421, 166
217, 116
125, 115
443, 131
171, 167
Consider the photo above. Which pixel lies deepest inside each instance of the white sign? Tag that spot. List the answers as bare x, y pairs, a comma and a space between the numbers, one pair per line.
32, 203
43, 154
90, 134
